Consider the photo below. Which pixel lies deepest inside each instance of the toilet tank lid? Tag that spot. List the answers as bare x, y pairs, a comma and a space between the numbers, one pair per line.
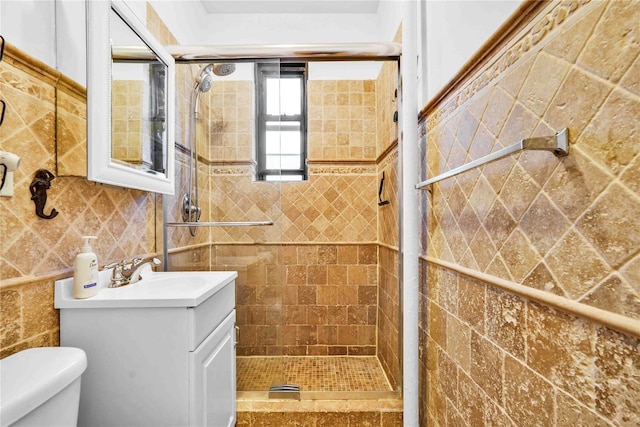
31, 377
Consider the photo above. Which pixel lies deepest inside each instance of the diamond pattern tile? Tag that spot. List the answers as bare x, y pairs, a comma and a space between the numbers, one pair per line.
567, 226
33, 246
563, 225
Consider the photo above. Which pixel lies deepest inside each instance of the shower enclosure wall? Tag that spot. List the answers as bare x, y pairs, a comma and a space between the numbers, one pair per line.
319, 288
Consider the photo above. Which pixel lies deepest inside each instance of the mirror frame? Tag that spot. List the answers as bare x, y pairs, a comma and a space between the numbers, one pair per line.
100, 167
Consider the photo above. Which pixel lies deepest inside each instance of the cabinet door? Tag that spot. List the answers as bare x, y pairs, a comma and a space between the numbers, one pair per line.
213, 378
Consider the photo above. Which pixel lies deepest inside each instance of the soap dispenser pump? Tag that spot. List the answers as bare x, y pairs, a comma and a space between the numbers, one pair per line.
85, 275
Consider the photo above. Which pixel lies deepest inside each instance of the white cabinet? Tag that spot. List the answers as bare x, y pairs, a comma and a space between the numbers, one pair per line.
156, 366
212, 378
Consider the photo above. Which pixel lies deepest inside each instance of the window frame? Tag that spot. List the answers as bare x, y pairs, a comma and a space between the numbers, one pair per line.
280, 70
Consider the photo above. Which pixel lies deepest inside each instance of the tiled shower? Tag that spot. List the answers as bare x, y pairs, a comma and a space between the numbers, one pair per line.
309, 285
322, 281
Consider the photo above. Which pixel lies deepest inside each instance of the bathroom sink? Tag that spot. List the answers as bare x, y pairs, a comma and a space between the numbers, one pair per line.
159, 289
179, 324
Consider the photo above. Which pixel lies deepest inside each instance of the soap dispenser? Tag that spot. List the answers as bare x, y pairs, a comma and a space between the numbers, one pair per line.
85, 275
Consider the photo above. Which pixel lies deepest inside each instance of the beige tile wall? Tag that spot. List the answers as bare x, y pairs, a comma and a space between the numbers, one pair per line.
342, 120
387, 163
566, 226
491, 357
387, 152
231, 121
45, 124
388, 314
387, 104
388, 215
304, 299
333, 211
127, 134
36, 251
71, 128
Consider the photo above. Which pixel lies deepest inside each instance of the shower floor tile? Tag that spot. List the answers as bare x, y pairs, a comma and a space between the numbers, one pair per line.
311, 373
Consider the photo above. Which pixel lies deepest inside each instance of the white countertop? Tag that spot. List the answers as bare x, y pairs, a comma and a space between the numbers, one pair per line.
161, 289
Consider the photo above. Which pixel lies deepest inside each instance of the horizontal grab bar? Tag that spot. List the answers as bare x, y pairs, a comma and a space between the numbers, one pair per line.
558, 144
219, 224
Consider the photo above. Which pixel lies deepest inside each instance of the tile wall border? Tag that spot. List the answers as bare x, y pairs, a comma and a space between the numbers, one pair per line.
36, 68
526, 28
606, 318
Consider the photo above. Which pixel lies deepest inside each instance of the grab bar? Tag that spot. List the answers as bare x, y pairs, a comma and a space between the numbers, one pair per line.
218, 224
558, 144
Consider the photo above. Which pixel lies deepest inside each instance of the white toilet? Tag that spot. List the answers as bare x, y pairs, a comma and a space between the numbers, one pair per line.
41, 387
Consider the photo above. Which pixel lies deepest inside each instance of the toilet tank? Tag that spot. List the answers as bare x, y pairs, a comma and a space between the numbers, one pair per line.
41, 386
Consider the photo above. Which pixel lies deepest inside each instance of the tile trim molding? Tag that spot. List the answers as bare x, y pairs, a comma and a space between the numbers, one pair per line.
183, 249
517, 36
338, 169
40, 70
329, 167
606, 318
29, 280
388, 246
389, 156
30, 65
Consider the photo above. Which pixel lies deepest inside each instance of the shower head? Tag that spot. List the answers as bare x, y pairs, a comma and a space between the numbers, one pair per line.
204, 81
223, 69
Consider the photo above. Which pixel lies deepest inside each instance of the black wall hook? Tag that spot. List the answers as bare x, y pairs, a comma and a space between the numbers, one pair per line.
39, 186
4, 107
380, 201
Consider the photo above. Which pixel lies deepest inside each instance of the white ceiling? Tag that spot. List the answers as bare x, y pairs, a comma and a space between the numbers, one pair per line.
290, 6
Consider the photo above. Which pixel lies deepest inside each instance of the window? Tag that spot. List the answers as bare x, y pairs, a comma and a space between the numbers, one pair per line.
281, 120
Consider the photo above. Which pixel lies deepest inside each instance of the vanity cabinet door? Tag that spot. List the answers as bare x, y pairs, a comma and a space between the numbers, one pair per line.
213, 378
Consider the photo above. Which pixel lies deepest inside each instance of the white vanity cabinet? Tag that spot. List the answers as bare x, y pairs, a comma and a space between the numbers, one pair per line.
155, 360
211, 378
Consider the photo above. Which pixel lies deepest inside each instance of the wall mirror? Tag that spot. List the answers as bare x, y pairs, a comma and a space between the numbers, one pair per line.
130, 101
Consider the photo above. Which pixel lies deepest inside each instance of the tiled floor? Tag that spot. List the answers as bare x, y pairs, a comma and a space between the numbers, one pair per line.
311, 373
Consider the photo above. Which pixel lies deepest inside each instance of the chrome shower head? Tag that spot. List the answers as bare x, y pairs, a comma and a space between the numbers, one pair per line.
223, 69
204, 81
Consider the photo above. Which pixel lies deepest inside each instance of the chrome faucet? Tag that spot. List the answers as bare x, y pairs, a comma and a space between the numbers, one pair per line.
135, 276
125, 272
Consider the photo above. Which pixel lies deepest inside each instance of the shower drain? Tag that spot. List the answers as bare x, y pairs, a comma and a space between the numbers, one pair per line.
284, 391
